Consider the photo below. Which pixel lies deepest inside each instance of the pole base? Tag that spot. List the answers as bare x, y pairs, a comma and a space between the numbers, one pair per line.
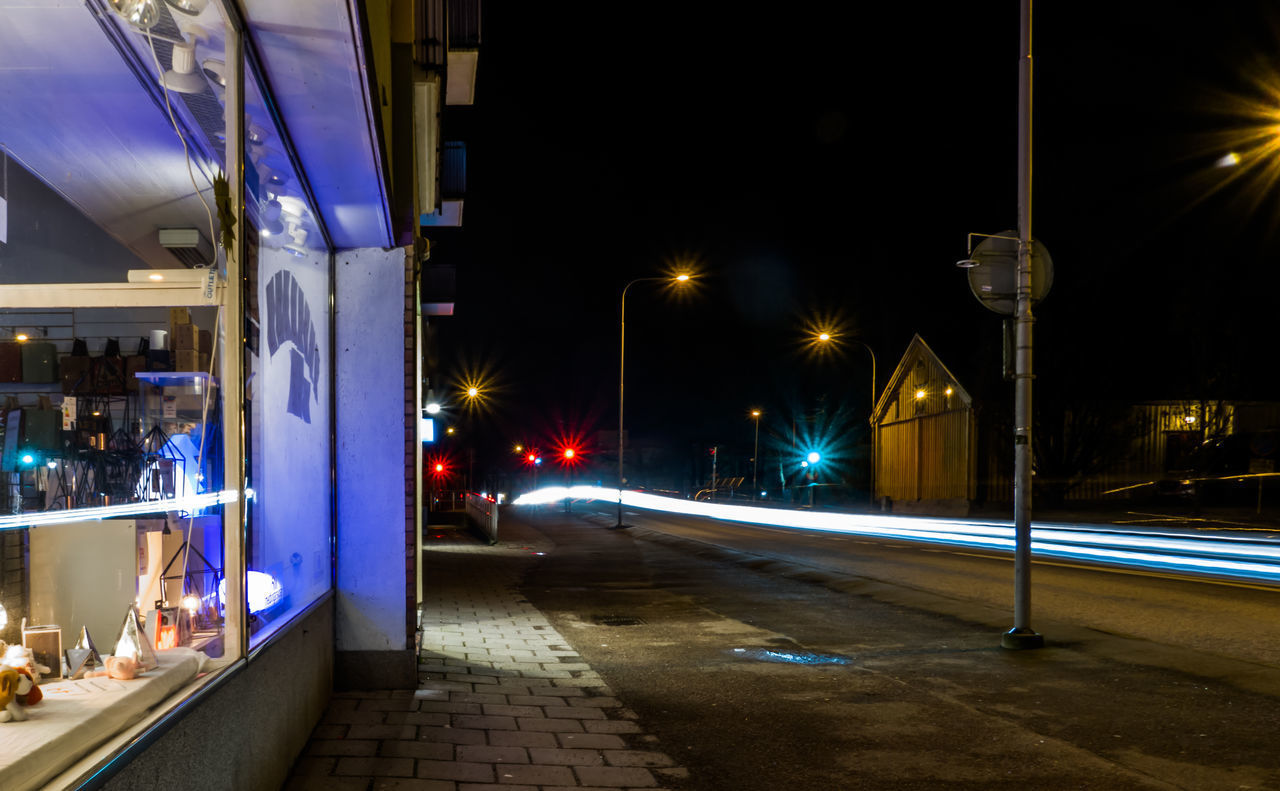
1021, 639
618, 526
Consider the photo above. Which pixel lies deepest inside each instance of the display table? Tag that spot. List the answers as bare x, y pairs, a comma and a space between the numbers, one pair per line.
77, 716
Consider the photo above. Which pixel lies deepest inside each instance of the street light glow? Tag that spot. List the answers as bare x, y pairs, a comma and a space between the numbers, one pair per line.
920, 394
433, 408
814, 457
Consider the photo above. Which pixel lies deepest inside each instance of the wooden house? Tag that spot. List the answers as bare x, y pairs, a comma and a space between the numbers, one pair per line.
925, 435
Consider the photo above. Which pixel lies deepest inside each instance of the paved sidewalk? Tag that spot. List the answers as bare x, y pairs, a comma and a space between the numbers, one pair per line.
503, 702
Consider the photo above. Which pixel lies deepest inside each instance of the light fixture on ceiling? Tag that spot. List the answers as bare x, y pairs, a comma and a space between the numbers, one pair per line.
142, 14
183, 77
215, 70
188, 7
298, 246
187, 245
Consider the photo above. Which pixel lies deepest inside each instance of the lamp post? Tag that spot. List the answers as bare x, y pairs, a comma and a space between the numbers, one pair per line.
827, 337
622, 368
755, 455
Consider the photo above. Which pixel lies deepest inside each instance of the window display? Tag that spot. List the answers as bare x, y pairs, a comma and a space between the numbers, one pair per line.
145, 327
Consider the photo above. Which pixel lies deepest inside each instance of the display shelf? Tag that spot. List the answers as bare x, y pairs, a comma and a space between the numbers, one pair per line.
169, 378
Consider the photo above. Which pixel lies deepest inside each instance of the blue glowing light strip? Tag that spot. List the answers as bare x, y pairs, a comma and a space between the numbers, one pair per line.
191, 503
1227, 556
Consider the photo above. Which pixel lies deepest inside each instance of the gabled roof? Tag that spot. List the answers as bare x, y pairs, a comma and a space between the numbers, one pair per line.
917, 349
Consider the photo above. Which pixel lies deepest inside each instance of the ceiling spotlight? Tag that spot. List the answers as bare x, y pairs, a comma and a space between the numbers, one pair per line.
271, 210
141, 14
297, 247
188, 7
182, 77
215, 70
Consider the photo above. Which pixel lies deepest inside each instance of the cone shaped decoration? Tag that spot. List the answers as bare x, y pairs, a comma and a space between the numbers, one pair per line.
83, 657
85, 643
78, 661
133, 642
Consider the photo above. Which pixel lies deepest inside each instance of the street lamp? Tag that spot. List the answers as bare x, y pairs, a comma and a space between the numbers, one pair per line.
680, 279
755, 455
823, 337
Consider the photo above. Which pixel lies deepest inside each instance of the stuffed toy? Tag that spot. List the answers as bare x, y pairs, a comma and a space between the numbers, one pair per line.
16, 686
121, 668
20, 657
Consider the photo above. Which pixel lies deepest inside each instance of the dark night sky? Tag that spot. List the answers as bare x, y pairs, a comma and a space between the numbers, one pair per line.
831, 164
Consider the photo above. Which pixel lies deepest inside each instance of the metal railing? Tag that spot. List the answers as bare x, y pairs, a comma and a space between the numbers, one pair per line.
483, 513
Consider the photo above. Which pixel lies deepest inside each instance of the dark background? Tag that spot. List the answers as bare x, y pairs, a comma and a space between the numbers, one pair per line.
829, 164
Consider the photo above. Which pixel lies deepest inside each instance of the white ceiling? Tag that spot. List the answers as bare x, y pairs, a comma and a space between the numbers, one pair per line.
73, 112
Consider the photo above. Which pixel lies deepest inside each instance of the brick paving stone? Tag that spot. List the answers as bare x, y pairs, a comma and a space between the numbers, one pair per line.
305, 783
552, 725
451, 735
449, 707
467, 696
534, 775
398, 748
388, 704
453, 770
491, 754
637, 758
575, 712
592, 741
616, 776
375, 766
411, 784
537, 700
561, 692
353, 717
521, 739
565, 757
431, 694
483, 722
527, 713
383, 732
417, 718
498, 710
342, 747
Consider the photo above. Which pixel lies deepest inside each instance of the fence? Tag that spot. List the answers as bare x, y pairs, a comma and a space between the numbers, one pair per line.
483, 513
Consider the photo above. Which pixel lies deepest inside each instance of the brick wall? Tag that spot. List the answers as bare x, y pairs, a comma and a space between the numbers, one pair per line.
13, 582
410, 449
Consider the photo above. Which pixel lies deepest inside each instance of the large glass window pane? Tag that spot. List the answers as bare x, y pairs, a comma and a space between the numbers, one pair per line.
111, 413
288, 363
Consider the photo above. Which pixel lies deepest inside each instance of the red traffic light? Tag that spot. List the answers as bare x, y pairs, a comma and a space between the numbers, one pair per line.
569, 453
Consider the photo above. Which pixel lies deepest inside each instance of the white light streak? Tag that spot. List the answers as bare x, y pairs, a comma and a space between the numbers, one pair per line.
1223, 556
193, 502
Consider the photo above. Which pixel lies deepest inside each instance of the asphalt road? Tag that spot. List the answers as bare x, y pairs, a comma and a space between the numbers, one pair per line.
818, 662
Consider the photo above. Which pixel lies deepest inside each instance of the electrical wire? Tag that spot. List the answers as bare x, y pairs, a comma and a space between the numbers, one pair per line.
186, 152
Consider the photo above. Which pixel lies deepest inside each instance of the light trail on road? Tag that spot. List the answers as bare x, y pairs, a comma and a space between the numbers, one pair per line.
1218, 556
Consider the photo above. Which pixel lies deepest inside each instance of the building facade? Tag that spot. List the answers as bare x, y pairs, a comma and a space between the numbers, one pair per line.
215, 225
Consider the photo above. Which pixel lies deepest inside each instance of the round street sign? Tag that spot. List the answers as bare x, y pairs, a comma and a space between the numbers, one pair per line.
994, 281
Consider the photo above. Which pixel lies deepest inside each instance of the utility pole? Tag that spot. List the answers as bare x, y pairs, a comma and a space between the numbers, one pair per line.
1022, 636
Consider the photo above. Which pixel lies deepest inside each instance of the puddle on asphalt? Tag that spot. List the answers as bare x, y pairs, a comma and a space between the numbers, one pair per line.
791, 657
